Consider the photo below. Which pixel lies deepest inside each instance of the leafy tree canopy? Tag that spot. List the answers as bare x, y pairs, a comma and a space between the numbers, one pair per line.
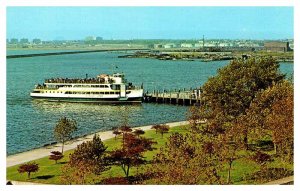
234, 87
64, 129
28, 168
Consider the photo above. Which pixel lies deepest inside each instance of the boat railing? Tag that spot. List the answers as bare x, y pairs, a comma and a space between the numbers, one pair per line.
79, 81
45, 87
134, 88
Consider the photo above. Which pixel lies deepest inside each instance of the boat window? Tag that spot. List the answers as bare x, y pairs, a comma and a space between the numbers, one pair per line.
106, 92
115, 87
101, 92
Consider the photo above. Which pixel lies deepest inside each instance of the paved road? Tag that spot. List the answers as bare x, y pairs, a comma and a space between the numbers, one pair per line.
45, 151
284, 181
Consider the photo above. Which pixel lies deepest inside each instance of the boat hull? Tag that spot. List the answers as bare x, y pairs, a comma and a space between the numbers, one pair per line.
90, 100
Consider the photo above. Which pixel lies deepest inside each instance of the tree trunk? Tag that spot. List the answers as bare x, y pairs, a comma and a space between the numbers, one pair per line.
62, 147
83, 180
275, 148
123, 142
127, 173
28, 175
246, 142
229, 171
124, 169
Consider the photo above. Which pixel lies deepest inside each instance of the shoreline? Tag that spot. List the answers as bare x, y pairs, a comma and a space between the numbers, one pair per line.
68, 52
38, 153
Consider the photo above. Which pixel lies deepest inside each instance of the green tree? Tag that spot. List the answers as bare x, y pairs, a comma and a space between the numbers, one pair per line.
88, 158
272, 114
228, 95
228, 149
64, 129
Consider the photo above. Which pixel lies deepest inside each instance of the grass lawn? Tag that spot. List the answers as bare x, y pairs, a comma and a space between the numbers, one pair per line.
49, 172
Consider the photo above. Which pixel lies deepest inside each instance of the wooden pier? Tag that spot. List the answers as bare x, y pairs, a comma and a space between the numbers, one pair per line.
180, 97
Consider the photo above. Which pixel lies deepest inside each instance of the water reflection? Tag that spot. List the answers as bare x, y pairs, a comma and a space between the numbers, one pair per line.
60, 107
106, 116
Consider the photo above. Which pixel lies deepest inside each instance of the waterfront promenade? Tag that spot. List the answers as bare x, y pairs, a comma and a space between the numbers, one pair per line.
45, 151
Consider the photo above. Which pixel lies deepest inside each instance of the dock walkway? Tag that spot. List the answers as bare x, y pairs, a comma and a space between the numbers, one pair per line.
182, 97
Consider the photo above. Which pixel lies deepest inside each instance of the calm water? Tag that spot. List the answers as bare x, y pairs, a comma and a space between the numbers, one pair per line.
30, 122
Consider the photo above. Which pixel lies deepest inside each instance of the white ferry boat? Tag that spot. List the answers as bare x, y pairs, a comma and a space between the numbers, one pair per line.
105, 88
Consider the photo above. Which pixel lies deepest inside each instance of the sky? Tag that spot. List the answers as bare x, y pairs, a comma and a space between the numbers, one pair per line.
75, 23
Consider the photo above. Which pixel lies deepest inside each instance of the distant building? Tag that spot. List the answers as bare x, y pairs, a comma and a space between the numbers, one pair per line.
155, 46
37, 41
198, 45
186, 45
14, 41
292, 45
276, 46
98, 38
210, 44
24, 41
223, 44
169, 46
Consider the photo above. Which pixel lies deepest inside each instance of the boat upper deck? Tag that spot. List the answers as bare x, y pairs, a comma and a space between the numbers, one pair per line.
100, 79
79, 81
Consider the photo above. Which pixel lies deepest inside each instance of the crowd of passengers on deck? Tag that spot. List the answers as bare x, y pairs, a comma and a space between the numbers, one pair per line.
78, 80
